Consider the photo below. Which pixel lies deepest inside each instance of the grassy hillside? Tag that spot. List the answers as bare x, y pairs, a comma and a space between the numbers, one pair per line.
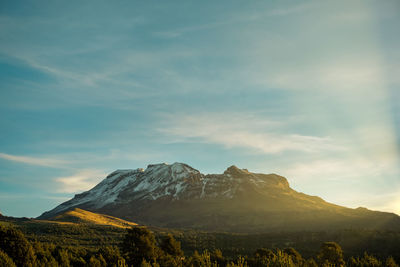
80, 216
67, 234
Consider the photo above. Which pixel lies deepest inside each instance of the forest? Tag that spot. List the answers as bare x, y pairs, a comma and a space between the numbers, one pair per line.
33, 244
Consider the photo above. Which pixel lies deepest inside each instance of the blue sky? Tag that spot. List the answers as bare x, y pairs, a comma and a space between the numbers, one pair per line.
305, 89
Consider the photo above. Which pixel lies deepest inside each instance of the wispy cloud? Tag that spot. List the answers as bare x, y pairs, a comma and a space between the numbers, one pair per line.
341, 169
351, 77
234, 20
4, 195
293, 9
238, 130
80, 181
39, 161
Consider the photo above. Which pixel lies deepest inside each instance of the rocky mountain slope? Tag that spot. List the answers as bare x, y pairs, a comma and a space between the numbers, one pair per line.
179, 196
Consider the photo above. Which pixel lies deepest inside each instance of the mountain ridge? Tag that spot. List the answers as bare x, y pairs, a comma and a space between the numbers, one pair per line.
179, 196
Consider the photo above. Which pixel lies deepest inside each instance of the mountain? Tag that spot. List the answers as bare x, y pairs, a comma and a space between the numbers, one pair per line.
179, 196
80, 216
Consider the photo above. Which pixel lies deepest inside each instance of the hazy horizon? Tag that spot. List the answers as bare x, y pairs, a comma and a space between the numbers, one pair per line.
308, 90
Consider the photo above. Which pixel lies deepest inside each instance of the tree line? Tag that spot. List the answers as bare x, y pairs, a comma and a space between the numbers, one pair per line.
139, 247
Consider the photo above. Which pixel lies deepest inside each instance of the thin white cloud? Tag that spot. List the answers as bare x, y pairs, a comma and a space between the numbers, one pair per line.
81, 181
86, 79
39, 161
234, 20
36, 196
340, 169
245, 131
291, 9
351, 77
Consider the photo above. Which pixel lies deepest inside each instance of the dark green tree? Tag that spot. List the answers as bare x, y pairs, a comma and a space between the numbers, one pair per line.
112, 256
78, 262
310, 263
138, 244
96, 262
391, 263
44, 255
16, 246
62, 256
171, 254
281, 259
366, 260
331, 253
216, 256
5, 260
195, 260
262, 257
264, 253
296, 257
170, 246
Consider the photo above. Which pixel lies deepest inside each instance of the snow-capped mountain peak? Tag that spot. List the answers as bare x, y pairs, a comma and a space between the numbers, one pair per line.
169, 182
176, 195
161, 173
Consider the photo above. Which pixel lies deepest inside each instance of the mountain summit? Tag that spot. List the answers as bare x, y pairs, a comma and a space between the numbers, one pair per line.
179, 196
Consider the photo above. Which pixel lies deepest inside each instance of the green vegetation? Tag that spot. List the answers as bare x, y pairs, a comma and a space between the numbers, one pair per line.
354, 242
89, 236
16, 246
139, 246
5, 260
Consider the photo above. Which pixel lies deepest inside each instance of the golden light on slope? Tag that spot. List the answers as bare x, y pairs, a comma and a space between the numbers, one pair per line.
86, 217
